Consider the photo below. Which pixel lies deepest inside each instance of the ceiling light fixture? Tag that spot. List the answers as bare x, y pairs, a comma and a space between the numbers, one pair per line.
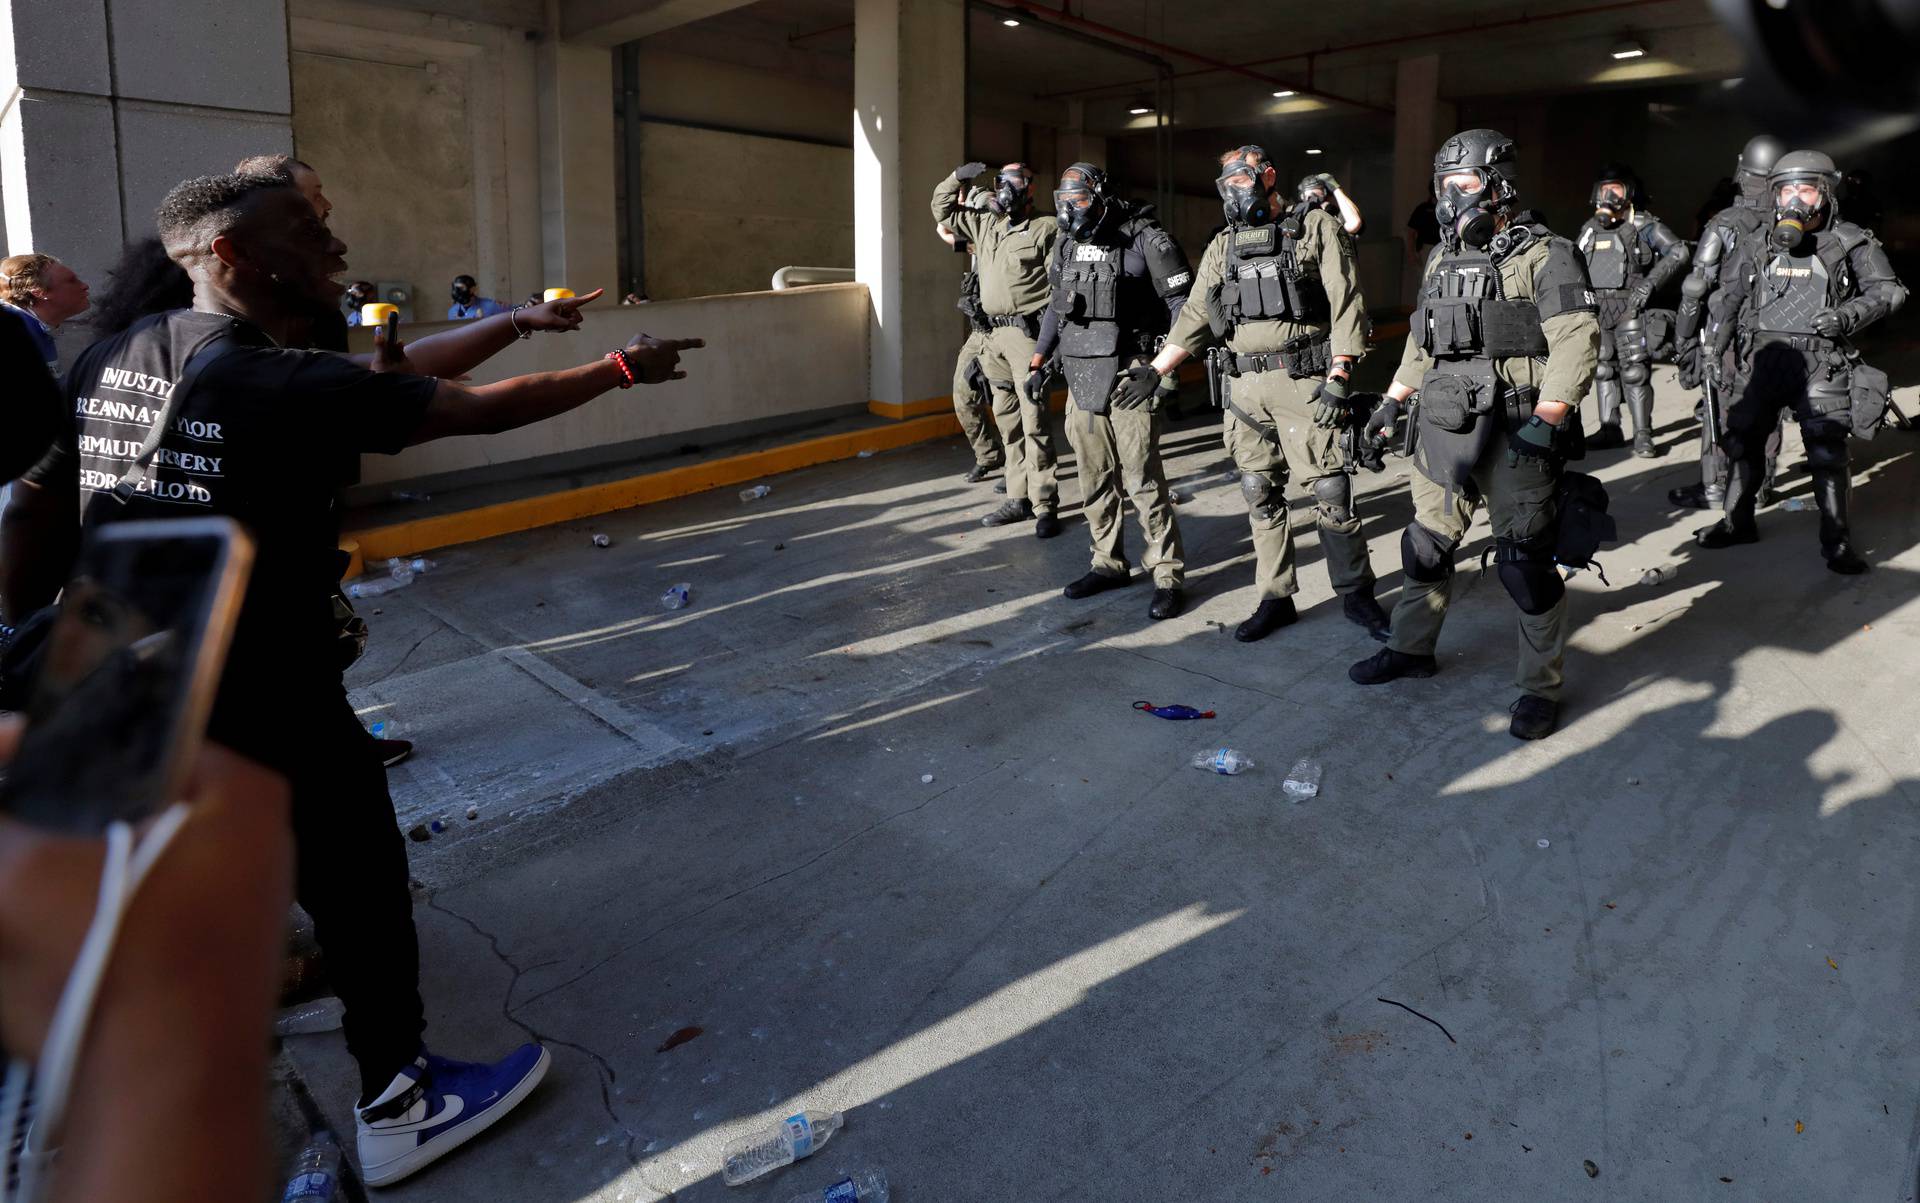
1313, 150
1010, 23
1628, 49
1141, 106
1283, 94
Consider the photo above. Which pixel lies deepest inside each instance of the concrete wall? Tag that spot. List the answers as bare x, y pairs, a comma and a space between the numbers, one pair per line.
768, 354
701, 240
684, 87
390, 143
431, 118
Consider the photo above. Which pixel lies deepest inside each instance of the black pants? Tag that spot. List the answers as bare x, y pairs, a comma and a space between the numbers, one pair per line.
350, 867
1778, 377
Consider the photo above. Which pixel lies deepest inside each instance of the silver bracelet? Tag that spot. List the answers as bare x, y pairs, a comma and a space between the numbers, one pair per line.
513, 315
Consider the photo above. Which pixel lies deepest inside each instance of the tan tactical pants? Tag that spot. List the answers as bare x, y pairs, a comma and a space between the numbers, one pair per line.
1025, 427
1521, 503
1120, 450
975, 412
1306, 453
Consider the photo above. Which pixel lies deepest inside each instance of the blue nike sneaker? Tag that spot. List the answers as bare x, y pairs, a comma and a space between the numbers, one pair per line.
434, 1106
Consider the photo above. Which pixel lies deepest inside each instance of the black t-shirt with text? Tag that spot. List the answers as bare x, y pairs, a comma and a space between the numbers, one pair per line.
259, 437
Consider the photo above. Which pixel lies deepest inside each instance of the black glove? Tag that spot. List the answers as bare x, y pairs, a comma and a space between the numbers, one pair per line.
1832, 323
1686, 359
1330, 409
967, 171
1534, 440
1639, 295
1135, 387
1037, 382
1381, 422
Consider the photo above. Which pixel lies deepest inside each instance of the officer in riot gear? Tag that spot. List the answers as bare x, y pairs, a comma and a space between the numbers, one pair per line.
1119, 280
1279, 289
1011, 248
1322, 191
972, 395
1631, 254
1798, 298
1501, 351
1702, 300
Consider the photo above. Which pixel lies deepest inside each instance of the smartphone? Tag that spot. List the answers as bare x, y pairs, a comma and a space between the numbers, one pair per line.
127, 674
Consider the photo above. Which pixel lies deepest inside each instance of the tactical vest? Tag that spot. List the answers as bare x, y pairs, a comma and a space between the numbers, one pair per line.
1615, 257
1788, 289
1463, 313
1263, 280
1087, 298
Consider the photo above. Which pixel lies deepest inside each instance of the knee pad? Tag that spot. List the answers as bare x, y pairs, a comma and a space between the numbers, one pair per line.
1263, 495
1334, 495
1425, 556
1826, 453
1635, 372
1604, 370
1527, 571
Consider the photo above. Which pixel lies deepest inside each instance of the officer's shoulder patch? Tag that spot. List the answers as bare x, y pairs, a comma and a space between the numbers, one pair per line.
1560, 279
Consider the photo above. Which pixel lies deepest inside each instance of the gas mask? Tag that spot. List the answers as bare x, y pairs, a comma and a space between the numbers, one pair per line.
1467, 215
1242, 198
359, 293
1013, 194
1080, 203
1791, 222
1610, 202
462, 290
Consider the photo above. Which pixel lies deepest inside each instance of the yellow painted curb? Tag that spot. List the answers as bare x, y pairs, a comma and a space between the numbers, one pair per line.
911, 409
484, 522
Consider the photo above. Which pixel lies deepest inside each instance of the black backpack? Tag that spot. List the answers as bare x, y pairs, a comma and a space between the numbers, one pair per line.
1584, 522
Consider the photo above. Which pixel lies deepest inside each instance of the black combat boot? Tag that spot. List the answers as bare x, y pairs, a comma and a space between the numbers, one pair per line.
1009, 512
1046, 526
1388, 665
1269, 616
1000, 486
1362, 610
1096, 582
980, 472
1737, 525
1831, 488
1703, 496
1167, 603
1643, 447
1605, 437
1640, 401
1534, 717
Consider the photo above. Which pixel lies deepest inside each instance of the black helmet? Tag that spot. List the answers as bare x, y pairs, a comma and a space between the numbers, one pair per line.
1619, 173
1080, 203
1793, 218
1758, 156
1469, 217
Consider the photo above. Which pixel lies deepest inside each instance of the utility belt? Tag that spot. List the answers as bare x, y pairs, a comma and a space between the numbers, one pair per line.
1850, 390
1029, 323
1302, 357
1813, 344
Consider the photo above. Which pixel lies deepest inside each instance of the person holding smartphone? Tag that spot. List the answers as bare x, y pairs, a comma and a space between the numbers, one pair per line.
254, 430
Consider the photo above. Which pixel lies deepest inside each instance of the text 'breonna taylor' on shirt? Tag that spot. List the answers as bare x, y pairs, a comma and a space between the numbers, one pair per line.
114, 424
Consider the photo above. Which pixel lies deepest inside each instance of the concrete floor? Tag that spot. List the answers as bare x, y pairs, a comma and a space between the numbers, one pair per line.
1675, 940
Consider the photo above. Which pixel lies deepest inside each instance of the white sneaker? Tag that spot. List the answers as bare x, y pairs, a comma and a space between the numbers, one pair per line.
434, 1106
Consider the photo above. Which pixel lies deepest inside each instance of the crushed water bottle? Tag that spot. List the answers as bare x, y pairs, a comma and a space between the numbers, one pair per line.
755, 493
1303, 780
307, 1019
1796, 505
405, 570
383, 729
868, 1187
797, 1137
375, 586
315, 1171
1222, 760
1658, 576
676, 597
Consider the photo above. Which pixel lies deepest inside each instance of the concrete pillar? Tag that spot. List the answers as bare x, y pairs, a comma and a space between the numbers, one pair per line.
110, 103
1416, 135
579, 240
909, 112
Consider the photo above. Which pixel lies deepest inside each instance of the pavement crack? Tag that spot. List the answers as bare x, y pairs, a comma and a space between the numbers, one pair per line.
809, 862
607, 1074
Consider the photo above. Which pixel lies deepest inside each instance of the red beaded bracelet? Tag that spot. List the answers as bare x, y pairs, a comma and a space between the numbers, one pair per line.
626, 369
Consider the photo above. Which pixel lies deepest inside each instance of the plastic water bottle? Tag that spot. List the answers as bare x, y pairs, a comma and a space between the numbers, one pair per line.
1222, 760
383, 729
755, 493
315, 1171
377, 586
797, 1137
400, 570
320, 1015
868, 1187
1303, 780
676, 598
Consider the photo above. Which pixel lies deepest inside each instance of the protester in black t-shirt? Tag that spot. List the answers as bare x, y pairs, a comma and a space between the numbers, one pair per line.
258, 435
